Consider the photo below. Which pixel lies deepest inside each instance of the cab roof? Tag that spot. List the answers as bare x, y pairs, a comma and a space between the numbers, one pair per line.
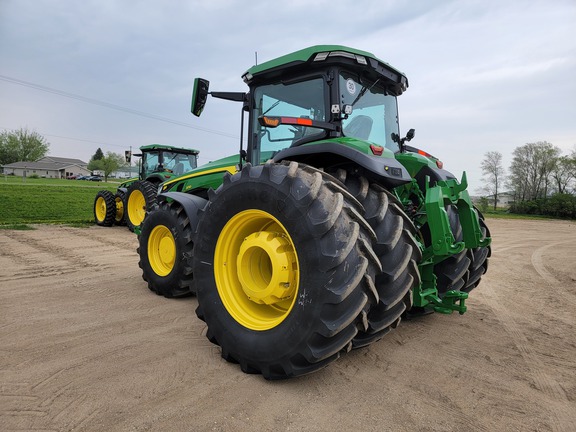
169, 148
321, 55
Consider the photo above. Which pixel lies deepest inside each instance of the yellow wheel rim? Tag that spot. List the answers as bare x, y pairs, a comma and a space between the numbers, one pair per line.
136, 207
161, 250
256, 270
100, 209
119, 209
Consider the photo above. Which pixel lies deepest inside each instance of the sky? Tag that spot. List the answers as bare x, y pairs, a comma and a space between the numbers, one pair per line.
489, 75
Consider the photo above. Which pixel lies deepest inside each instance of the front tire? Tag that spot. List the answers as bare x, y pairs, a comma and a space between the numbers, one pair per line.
165, 249
478, 258
284, 269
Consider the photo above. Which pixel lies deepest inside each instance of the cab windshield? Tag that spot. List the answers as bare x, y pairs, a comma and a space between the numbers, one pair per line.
374, 114
159, 161
178, 163
304, 99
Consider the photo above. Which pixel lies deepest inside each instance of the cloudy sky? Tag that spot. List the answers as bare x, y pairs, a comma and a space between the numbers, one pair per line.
484, 74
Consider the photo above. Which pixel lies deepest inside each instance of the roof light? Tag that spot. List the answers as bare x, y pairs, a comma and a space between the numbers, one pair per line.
342, 54
324, 55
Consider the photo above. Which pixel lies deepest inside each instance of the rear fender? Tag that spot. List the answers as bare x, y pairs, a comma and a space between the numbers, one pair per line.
191, 204
383, 170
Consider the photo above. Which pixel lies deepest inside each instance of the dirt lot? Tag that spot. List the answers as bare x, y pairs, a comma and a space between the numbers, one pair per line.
85, 346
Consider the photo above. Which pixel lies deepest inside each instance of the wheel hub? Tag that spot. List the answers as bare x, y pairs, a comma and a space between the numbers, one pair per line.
161, 250
256, 269
265, 267
101, 209
136, 207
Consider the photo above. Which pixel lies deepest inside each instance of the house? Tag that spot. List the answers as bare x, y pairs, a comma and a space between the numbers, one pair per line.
48, 167
505, 199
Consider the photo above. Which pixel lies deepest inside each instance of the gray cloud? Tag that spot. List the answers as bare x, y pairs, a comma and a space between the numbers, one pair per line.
484, 75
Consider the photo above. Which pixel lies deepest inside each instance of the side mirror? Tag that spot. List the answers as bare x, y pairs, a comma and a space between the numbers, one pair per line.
199, 95
410, 134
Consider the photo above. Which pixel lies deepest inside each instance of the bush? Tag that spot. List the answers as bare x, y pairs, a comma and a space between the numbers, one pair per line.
558, 205
561, 205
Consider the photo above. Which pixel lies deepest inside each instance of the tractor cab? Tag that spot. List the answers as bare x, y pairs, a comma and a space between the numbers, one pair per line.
338, 97
160, 162
324, 92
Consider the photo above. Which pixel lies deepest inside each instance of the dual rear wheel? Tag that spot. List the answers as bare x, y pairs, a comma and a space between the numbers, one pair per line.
284, 269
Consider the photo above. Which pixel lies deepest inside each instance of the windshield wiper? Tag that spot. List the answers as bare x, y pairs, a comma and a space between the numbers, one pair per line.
274, 105
363, 91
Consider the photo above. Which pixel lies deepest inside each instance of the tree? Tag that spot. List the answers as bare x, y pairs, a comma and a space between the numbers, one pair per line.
493, 173
22, 145
563, 173
98, 156
108, 164
531, 169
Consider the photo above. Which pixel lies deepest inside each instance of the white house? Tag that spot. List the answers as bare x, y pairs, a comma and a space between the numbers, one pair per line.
49, 167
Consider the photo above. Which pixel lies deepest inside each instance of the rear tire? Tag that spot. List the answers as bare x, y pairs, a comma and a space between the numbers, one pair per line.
165, 249
284, 269
140, 199
104, 208
397, 250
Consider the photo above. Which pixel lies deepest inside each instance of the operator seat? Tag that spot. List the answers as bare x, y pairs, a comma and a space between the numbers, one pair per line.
359, 127
179, 168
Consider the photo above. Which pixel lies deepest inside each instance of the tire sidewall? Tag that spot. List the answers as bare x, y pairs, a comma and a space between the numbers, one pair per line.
170, 220
300, 325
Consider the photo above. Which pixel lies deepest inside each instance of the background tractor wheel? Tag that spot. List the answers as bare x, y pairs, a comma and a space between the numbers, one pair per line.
140, 198
284, 269
397, 250
104, 208
120, 217
165, 249
478, 258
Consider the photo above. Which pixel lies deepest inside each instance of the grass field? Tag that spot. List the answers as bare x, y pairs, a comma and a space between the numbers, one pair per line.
48, 200
30, 201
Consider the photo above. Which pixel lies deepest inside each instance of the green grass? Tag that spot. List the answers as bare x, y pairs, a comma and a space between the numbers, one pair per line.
10, 179
19, 227
48, 200
504, 214
30, 201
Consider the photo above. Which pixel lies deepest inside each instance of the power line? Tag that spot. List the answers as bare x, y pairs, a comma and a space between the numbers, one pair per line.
109, 105
71, 138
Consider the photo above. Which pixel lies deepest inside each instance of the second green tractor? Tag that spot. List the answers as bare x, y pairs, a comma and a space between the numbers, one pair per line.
136, 196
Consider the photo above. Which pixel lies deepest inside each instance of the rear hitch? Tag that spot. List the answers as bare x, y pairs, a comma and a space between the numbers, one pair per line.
450, 302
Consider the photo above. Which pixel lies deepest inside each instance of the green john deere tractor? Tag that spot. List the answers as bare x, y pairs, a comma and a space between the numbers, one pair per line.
137, 195
325, 230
